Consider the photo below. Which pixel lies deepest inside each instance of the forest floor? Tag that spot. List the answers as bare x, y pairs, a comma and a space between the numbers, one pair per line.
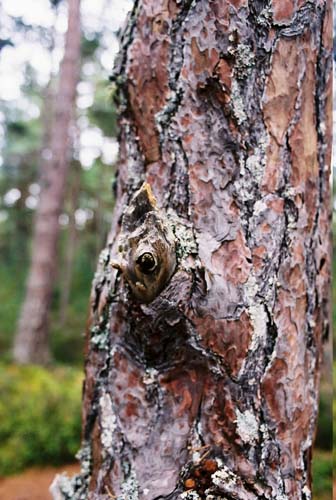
33, 484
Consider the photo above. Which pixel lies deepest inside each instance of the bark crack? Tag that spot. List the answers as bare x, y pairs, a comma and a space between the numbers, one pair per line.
179, 194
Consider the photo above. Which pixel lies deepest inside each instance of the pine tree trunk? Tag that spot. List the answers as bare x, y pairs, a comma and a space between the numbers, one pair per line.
67, 267
31, 342
202, 372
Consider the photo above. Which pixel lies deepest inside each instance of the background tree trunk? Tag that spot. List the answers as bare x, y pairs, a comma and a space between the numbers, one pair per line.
71, 245
210, 390
31, 342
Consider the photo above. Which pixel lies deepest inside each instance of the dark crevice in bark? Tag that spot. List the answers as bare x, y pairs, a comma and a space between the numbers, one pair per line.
311, 270
164, 117
101, 279
323, 64
255, 130
179, 197
302, 20
102, 343
170, 496
209, 358
260, 17
122, 98
272, 451
179, 177
323, 69
135, 160
271, 338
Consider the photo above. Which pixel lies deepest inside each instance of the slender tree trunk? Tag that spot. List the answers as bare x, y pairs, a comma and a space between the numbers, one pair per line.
31, 342
203, 353
70, 249
100, 212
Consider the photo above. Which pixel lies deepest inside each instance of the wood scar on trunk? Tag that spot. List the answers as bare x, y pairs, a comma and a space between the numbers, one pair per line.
147, 246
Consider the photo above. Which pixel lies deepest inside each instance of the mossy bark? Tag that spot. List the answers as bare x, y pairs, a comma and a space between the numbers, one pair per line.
210, 390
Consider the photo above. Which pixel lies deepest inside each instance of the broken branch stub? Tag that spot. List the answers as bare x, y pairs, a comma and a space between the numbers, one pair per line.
146, 246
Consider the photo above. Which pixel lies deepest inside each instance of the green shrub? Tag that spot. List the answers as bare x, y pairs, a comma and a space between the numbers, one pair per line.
334, 417
11, 292
322, 475
325, 418
39, 416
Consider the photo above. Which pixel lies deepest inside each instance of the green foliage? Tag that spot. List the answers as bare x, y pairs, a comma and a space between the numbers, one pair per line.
334, 417
11, 294
67, 341
90, 45
325, 418
39, 416
322, 475
102, 113
23, 139
333, 276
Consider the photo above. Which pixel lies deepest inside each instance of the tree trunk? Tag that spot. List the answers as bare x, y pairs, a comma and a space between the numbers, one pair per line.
31, 342
204, 349
70, 247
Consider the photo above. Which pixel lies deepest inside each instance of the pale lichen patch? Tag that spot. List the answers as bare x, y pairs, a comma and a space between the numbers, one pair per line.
257, 313
224, 477
130, 488
62, 487
100, 337
185, 239
107, 422
256, 162
190, 495
237, 103
259, 321
104, 257
264, 442
75, 488
196, 445
259, 207
280, 494
247, 426
244, 61
150, 376
265, 17
306, 492
252, 170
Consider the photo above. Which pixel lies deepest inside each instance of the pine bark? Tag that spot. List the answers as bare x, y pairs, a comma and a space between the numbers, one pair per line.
210, 390
31, 342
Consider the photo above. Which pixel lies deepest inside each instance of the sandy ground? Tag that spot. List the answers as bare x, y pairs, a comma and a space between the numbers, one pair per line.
32, 484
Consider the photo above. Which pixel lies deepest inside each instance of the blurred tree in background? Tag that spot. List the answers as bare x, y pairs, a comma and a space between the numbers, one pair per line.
31, 342
85, 219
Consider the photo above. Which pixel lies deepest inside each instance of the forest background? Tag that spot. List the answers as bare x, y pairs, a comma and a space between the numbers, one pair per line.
40, 407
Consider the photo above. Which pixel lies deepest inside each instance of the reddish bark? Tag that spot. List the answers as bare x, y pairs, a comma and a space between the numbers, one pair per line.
210, 390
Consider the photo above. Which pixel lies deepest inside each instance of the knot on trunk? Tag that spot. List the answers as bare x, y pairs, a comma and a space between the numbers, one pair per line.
147, 246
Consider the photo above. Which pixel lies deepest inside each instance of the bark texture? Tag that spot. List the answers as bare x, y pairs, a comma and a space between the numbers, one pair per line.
210, 390
31, 342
